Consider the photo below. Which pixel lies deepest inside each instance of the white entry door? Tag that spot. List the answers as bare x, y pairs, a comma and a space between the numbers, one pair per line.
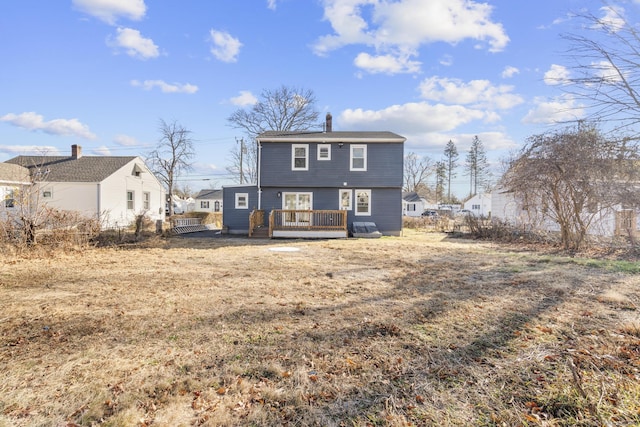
297, 202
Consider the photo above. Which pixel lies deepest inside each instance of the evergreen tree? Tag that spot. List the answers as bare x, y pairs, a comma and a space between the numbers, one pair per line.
450, 161
476, 166
441, 175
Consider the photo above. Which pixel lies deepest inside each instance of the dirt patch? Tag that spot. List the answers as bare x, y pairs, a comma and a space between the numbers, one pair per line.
415, 330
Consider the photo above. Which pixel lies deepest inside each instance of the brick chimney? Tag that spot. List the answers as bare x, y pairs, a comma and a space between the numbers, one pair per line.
328, 127
76, 151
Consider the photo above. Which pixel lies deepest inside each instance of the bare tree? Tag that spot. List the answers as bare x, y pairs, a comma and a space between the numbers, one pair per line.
573, 176
282, 109
417, 171
476, 166
172, 155
605, 72
450, 162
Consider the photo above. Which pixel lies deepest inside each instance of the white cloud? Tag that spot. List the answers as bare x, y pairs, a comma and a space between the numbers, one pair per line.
125, 140
387, 64
271, 4
606, 72
557, 110
446, 60
165, 87
103, 150
509, 72
399, 28
245, 98
413, 118
134, 44
479, 93
612, 18
34, 122
225, 47
47, 150
110, 10
557, 75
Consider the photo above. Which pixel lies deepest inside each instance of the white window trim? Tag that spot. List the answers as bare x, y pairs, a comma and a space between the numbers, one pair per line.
246, 198
49, 192
146, 200
340, 193
328, 147
133, 200
203, 203
293, 157
368, 213
354, 146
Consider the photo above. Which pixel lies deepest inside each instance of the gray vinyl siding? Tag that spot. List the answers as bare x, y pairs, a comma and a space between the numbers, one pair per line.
237, 220
384, 166
386, 204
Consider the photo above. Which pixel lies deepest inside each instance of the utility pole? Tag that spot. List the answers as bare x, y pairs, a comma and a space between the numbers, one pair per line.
242, 151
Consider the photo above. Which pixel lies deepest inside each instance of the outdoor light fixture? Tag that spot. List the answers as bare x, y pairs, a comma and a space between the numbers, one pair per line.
279, 194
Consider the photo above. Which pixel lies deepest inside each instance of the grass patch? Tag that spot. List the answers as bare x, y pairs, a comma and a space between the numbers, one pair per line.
414, 330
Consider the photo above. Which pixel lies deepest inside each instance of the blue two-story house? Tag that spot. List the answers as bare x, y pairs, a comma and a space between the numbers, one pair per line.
317, 184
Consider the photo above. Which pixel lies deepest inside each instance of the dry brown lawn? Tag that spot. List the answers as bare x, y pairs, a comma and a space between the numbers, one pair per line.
415, 330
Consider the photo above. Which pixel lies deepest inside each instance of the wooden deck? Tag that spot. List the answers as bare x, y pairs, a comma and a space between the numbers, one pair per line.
322, 224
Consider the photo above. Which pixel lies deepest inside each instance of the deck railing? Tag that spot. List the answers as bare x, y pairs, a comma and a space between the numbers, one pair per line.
184, 222
310, 220
256, 219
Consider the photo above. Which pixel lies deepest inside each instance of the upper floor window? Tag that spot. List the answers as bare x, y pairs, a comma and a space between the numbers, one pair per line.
300, 157
358, 158
324, 151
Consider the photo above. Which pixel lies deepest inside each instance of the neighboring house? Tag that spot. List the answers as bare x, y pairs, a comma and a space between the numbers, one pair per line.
13, 178
209, 201
479, 205
113, 189
413, 204
508, 207
180, 205
313, 181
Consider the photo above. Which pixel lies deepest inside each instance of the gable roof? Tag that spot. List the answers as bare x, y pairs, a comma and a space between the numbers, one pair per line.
411, 196
14, 174
209, 194
72, 169
340, 136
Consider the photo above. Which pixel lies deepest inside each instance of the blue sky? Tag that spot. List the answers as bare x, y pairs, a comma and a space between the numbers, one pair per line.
102, 73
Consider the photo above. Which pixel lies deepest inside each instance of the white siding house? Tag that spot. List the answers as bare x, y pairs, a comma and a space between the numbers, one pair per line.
413, 204
113, 189
209, 201
507, 207
479, 205
13, 178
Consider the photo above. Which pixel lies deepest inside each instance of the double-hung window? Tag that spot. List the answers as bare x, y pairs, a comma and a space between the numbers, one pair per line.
204, 204
324, 151
242, 201
358, 157
130, 201
300, 157
146, 200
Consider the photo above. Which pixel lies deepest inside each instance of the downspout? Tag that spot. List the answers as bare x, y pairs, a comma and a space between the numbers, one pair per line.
259, 167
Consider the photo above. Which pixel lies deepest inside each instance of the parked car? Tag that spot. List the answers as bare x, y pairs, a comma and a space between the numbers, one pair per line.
464, 212
430, 214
